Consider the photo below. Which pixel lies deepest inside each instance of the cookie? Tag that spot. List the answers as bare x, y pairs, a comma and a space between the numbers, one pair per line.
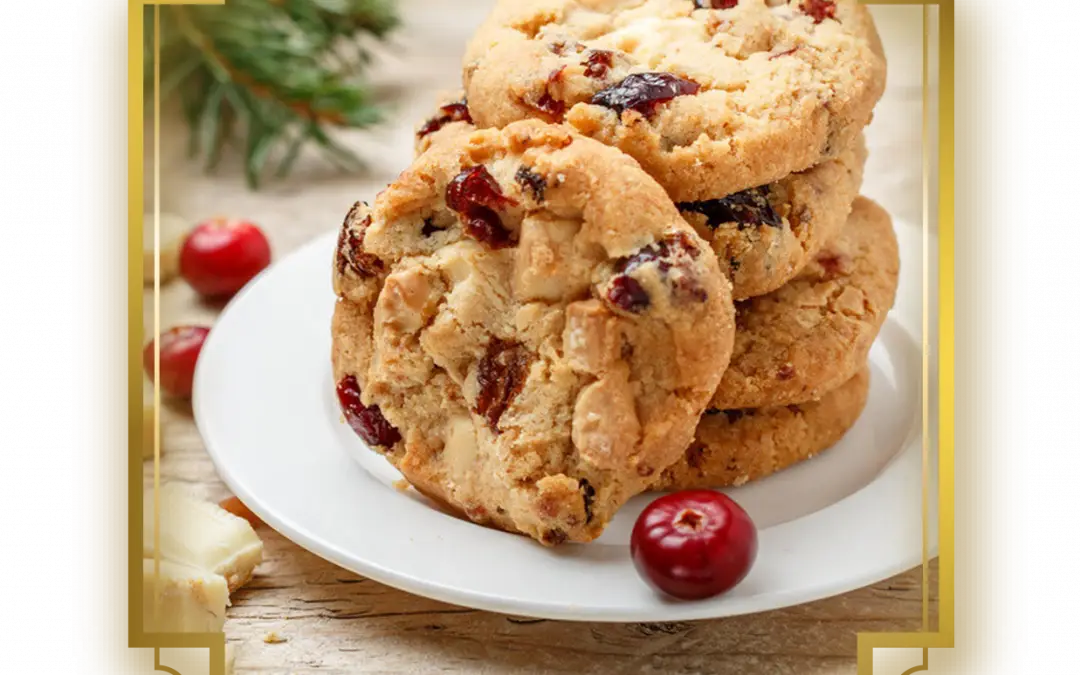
712, 97
762, 236
814, 333
527, 329
733, 447
765, 235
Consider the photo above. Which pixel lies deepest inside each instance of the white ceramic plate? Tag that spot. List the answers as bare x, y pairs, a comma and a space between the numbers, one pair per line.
264, 402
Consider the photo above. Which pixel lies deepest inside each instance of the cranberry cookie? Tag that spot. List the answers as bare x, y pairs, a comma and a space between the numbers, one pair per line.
763, 236
527, 329
733, 447
712, 97
814, 333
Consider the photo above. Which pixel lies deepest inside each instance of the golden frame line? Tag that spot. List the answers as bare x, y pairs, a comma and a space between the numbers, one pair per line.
982, 410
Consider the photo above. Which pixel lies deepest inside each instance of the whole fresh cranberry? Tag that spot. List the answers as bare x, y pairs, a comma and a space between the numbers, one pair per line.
221, 255
180, 349
694, 544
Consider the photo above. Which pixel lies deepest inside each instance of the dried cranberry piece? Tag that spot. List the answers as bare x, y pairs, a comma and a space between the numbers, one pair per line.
554, 537
695, 456
786, 372
644, 92
734, 415
832, 264
429, 227
367, 421
747, 208
551, 107
588, 494
451, 112
786, 52
628, 295
559, 47
475, 194
532, 182
501, 376
819, 10
715, 4
673, 251
350, 248
598, 63
664, 251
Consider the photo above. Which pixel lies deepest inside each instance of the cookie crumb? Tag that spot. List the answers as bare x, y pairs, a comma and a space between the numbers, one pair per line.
273, 638
402, 485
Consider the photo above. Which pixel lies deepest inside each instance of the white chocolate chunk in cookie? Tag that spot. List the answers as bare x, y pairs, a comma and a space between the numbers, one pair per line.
545, 267
407, 300
606, 428
592, 340
202, 535
182, 599
460, 449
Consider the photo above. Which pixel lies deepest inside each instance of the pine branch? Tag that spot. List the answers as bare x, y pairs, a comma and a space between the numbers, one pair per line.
279, 73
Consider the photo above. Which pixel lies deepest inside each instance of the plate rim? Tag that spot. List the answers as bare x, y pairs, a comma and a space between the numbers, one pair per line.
482, 600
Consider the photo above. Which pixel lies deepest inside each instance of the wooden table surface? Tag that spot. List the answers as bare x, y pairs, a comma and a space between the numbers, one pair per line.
333, 621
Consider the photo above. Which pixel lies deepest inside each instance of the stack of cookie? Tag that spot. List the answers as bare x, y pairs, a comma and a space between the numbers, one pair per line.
629, 256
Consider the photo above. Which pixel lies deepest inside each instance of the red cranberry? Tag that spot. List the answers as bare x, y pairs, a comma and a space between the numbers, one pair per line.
832, 264
749, 208
220, 256
644, 92
628, 295
552, 108
819, 10
180, 349
531, 181
449, 113
673, 251
715, 4
501, 376
475, 194
367, 421
350, 248
598, 63
694, 545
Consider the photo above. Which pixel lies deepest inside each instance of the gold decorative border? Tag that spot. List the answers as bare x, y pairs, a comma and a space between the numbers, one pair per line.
982, 572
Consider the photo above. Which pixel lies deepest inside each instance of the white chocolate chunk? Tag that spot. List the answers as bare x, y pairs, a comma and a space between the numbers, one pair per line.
460, 448
188, 600
174, 230
201, 535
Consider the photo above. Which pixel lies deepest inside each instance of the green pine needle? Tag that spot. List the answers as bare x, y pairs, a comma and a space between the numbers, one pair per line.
278, 72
